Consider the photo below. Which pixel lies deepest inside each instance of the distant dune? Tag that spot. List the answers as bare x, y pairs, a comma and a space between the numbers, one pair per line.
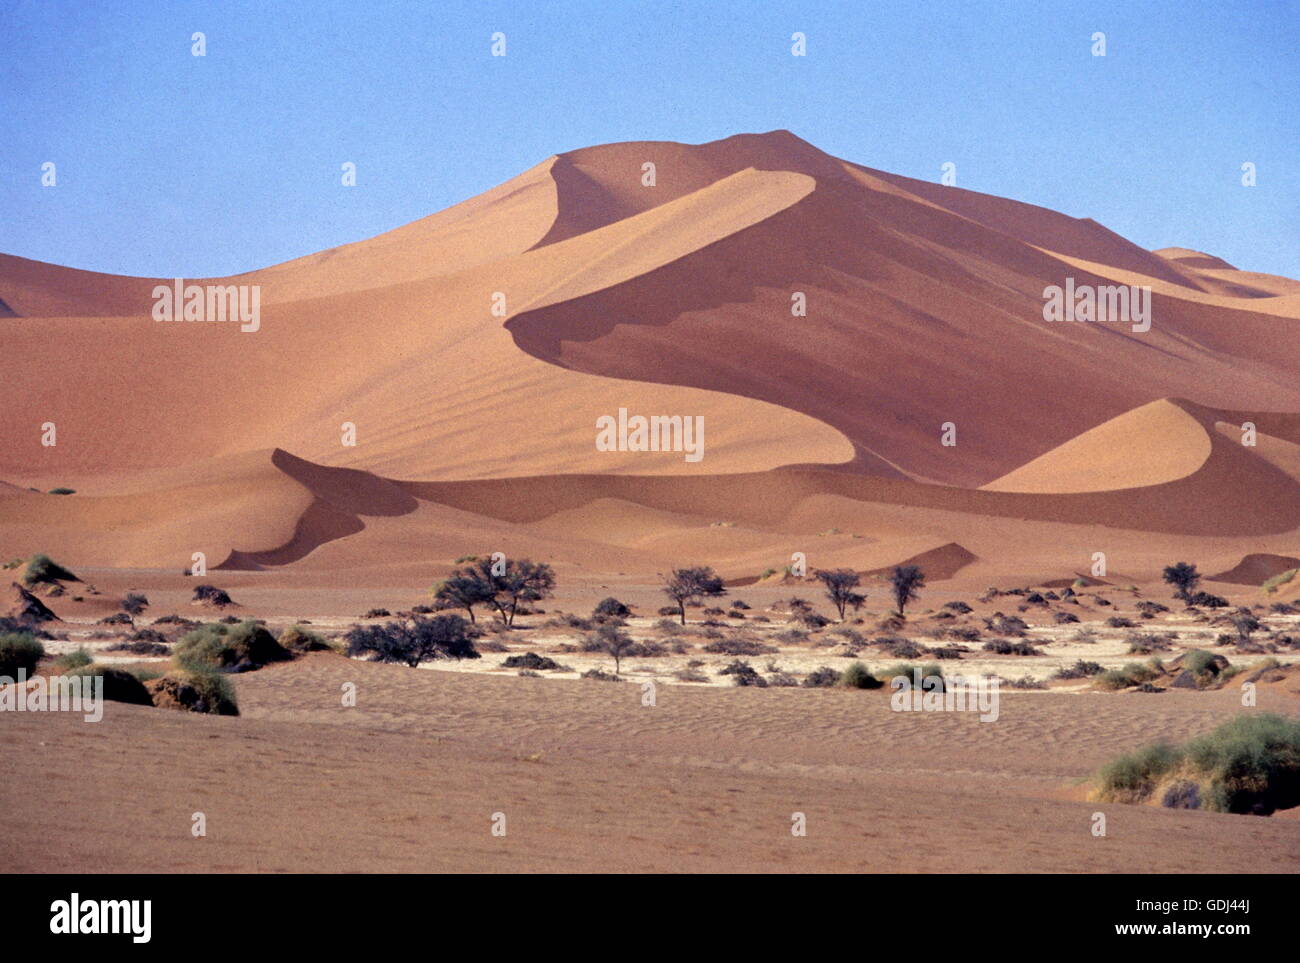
823, 430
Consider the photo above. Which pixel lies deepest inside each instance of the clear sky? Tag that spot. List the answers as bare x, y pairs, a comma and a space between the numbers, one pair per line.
170, 164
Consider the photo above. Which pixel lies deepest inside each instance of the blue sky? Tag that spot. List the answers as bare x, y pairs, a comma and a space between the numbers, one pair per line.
170, 164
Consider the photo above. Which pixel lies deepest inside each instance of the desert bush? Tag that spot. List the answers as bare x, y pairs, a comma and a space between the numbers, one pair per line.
740, 604
297, 639
1008, 647
134, 603
1025, 682
781, 680
1080, 670
119, 685
958, 606
143, 642
175, 620
903, 649
1250, 764
1065, 618
1134, 673
19, 650
415, 641
42, 568
947, 651
1146, 643
1206, 600
1001, 624
738, 646
219, 647
743, 674
532, 661
1201, 664
1119, 622
791, 637
822, 678
194, 691
77, 659
610, 608
858, 676
211, 595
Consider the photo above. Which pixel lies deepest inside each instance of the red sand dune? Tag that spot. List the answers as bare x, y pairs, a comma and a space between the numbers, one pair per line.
923, 307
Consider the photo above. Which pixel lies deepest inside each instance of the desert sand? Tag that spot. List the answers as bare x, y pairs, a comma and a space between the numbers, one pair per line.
475, 433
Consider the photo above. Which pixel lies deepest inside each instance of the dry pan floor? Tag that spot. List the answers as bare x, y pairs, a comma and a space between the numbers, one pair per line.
589, 779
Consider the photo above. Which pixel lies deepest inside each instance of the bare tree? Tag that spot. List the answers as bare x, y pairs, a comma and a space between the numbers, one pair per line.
906, 580
840, 585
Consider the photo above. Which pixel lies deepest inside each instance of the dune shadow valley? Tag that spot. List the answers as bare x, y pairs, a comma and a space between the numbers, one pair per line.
723, 507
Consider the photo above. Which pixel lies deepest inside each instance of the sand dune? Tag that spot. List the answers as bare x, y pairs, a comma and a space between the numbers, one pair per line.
923, 307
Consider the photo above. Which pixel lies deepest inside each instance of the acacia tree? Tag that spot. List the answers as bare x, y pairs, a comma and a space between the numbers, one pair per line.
463, 589
692, 585
616, 642
906, 581
418, 640
840, 584
502, 583
1184, 578
523, 581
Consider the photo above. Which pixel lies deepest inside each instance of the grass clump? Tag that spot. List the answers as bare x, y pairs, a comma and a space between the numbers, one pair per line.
1250, 764
226, 648
42, 568
1277, 581
1135, 673
858, 676
19, 650
73, 660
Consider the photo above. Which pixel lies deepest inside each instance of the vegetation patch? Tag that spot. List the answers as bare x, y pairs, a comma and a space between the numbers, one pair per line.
1248, 765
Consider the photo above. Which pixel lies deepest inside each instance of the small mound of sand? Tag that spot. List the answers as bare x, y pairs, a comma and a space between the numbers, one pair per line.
1256, 569
22, 604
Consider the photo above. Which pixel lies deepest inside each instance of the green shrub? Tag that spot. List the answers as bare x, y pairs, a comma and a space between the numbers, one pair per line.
42, 568
297, 639
119, 685
196, 691
930, 670
611, 608
1250, 764
1203, 665
858, 676
1133, 776
227, 648
19, 650
73, 660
